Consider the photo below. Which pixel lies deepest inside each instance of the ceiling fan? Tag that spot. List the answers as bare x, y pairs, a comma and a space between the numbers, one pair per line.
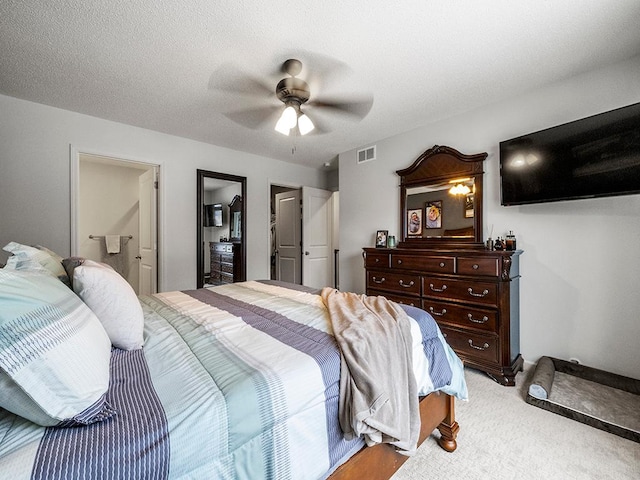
297, 100
293, 92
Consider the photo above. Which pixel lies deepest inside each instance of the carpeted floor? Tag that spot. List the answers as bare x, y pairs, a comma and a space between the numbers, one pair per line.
503, 437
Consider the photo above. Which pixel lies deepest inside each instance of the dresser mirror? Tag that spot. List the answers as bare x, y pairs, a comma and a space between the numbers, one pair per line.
235, 219
441, 200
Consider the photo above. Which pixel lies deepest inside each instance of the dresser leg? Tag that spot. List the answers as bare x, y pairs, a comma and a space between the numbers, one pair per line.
507, 375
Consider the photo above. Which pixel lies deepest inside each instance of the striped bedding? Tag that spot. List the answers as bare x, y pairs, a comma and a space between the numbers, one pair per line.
234, 382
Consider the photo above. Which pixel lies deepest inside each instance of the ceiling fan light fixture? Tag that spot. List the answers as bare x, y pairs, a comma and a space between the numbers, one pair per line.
282, 126
305, 125
287, 121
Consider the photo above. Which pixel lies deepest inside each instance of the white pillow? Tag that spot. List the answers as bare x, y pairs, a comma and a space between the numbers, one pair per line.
54, 353
25, 257
113, 301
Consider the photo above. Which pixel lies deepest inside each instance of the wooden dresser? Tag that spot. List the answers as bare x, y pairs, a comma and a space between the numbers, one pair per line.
473, 295
226, 262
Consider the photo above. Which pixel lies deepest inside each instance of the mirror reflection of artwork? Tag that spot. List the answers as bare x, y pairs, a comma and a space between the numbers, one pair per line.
434, 214
414, 222
468, 206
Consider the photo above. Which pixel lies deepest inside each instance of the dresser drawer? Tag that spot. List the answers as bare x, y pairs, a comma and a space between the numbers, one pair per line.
472, 345
404, 284
222, 248
405, 300
434, 264
462, 315
226, 278
226, 268
380, 260
485, 293
226, 258
479, 266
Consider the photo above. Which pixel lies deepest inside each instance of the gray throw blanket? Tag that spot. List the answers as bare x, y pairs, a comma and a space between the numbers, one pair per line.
378, 392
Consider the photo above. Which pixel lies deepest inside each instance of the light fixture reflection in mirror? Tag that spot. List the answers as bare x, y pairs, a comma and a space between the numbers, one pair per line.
459, 189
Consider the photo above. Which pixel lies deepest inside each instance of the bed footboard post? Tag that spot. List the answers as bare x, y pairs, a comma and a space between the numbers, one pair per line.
449, 428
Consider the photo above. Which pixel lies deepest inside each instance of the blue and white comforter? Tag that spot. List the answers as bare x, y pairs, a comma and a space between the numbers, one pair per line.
234, 382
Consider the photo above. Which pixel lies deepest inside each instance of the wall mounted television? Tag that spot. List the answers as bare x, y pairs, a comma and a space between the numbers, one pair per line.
597, 156
213, 215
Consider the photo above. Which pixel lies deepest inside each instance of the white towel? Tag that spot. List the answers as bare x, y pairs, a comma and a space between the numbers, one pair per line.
112, 243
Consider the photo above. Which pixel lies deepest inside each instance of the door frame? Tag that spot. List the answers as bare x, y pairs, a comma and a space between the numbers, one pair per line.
74, 163
334, 225
200, 176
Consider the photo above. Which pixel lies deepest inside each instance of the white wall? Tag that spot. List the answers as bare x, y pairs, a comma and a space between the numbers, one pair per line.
35, 183
581, 264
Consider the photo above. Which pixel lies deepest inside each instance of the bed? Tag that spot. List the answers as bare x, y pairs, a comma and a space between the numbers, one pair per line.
236, 381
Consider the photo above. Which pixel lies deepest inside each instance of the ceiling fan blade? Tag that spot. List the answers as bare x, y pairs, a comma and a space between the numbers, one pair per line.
255, 118
229, 78
354, 108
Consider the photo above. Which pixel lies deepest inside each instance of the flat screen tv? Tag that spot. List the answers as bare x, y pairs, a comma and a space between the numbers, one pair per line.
213, 215
597, 156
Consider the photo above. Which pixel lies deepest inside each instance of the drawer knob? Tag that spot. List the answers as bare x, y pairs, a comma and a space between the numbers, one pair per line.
484, 319
484, 293
444, 287
406, 285
438, 314
441, 264
483, 347
475, 266
375, 280
399, 262
377, 260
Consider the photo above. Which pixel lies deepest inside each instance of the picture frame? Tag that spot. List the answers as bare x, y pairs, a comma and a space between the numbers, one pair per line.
468, 206
414, 223
381, 238
433, 214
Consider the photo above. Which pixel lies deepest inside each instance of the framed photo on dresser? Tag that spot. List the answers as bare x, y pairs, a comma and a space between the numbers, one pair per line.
381, 238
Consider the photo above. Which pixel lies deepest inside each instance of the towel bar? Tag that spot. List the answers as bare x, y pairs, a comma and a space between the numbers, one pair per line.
102, 236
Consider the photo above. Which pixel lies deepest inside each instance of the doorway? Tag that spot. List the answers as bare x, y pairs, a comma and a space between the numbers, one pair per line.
304, 236
115, 216
221, 228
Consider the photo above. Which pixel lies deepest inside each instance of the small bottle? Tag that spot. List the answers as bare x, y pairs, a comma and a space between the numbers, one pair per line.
498, 245
489, 245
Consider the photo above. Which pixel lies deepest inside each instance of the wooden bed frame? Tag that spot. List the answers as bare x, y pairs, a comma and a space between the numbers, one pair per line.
380, 462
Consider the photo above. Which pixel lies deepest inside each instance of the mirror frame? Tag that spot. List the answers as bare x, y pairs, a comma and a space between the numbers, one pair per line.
436, 165
201, 175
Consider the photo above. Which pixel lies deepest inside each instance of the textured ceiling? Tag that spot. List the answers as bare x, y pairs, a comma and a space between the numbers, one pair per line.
172, 66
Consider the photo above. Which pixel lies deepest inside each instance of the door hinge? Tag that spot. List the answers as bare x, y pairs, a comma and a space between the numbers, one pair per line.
155, 184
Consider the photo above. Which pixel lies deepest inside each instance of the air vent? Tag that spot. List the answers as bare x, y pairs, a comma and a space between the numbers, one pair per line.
366, 154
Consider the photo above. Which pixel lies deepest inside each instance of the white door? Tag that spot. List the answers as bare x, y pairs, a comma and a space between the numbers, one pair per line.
288, 237
317, 234
148, 227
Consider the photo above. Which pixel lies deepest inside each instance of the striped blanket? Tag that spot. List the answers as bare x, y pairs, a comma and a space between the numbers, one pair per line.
239, 381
